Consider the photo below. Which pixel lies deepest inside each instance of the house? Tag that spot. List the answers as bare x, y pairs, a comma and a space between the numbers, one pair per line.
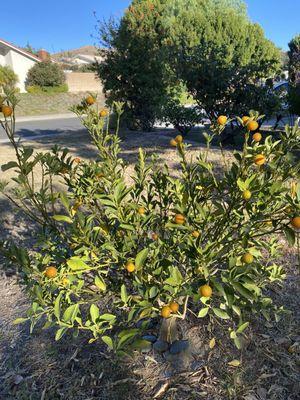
20, 61
85, 59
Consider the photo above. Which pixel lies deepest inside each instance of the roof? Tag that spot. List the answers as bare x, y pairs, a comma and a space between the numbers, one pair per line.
21, 51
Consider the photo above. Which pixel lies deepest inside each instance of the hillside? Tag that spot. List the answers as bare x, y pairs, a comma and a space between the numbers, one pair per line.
87, 50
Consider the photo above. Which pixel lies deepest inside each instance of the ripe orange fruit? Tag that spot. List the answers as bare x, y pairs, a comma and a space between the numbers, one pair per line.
130, 266
165, 312
296, 222
222, 119
247, 195
179, 139
245, 119
247, 258
257, 137
174, 306
154, 236
103, 113
205, 291
51, 272
259, 159
141, 210
7, 111
173, 143
90, 100
195, 234
252, 126
179, 219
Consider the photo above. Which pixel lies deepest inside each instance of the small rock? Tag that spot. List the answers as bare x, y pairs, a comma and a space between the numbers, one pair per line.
178, 346
161, 346
18, 379
150, 338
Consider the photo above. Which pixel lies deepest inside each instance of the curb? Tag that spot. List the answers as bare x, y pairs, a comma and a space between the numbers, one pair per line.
32, 118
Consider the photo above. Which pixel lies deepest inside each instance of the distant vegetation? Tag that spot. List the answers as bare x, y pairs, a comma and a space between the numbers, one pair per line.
209, 47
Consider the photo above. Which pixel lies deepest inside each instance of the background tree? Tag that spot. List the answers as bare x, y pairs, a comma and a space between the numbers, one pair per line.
134, 70
294, 74
45, 74
210, 45
230, 56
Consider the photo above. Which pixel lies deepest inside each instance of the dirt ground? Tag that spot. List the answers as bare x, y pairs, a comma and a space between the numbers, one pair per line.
35, 367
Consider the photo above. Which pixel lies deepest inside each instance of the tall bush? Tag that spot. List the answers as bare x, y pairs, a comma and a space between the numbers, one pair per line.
115, 254
45, 74
8, 78
294, 74
134, 70
209, 45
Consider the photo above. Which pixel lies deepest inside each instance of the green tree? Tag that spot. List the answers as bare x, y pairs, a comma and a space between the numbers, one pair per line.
210, 45
134, 70
45, 74
294, 74
229, 56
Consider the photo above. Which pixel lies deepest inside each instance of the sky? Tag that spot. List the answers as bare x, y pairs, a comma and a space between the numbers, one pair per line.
68, 24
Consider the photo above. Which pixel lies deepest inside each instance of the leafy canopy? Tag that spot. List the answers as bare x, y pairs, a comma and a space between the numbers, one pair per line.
210, 46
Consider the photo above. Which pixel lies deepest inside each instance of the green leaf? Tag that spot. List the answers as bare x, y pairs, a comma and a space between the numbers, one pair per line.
108, 317
221, 313
9, 165
20, 321
94, 312
243, 291
203, 312
242, 327
100, 283
71, 313
76, 264
65, 200
153, 292
63, 218
238, 343
60, 332
290, 235
108, 341
141, 258
124, 296
57, 306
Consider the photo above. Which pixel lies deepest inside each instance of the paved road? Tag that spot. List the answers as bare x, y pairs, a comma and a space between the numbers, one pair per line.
44, 127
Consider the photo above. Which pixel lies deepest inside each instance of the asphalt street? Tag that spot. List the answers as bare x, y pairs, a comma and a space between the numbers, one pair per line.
44, 127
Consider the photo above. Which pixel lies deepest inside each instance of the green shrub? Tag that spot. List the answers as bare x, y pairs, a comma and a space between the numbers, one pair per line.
294, 99
211, 46
7, 77
182, 117
294, 75
45, 74
114, 253
47, 89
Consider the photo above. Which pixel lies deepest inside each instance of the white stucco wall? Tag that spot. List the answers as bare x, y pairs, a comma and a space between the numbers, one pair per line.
21, 65
2, 60
18, 62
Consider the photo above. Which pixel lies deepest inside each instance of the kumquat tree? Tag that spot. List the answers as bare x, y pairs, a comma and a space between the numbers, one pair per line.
116, 252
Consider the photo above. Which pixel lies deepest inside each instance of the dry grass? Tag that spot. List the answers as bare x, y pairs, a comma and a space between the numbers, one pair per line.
35, 367
56, 103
